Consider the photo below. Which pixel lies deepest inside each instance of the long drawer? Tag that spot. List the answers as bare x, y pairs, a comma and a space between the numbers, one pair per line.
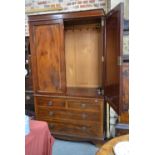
74, 129
53, 113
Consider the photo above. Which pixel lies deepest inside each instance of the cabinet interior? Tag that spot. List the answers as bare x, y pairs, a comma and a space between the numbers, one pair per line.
83, 56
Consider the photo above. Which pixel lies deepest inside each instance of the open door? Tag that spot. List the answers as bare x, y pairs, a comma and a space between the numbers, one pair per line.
113, 57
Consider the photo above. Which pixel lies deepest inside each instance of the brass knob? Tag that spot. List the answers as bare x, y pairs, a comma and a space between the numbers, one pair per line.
83, 105
50, 103
84, 116
84, 128
51, 113
96, 100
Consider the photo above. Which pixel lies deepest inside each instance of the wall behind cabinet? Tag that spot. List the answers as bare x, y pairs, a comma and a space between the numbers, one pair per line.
69, 5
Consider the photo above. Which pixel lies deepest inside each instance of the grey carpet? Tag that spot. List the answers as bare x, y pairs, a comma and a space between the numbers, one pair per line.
61, 147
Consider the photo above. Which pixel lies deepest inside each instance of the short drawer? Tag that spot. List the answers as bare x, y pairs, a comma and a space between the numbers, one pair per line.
85, 105
72, 129
50, 102
74, 115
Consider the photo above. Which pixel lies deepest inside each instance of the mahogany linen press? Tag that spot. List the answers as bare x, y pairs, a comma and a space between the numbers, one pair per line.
76, 69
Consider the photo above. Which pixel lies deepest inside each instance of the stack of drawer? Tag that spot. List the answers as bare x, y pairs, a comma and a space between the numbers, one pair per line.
80, 116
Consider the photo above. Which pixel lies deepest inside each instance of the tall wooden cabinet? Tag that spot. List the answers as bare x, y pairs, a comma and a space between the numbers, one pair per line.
76, 69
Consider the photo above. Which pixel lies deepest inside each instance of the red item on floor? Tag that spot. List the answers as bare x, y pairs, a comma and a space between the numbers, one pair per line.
39, 141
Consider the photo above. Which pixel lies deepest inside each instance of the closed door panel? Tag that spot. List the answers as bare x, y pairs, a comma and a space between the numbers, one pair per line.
50, 57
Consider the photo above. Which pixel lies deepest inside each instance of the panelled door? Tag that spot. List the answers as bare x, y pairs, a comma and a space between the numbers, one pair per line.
48, 56
113, 57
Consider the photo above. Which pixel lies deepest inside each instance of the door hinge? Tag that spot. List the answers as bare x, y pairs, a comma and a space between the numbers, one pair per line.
100, 91
119, 61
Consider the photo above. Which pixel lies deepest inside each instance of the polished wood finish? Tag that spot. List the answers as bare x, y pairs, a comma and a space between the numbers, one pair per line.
86, 105
70, 55
49, 57
61, 114
83, 130
50, 102
107, 148
68, 16
113, 56
54, 113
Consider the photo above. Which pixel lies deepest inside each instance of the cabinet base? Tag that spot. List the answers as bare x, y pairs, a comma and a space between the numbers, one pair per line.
94, 140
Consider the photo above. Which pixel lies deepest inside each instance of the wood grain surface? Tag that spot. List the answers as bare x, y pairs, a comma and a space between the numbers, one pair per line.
107, 148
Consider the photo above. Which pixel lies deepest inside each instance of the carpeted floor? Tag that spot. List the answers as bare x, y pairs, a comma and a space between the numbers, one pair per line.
61, 147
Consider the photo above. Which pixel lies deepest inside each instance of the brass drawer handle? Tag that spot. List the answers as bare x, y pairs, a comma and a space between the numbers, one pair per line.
51, 126
50, 103
84, 116
84, 128
83, 105
51, 113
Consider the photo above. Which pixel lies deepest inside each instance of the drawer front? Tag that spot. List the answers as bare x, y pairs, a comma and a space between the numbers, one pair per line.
50, 102
81, 130
81, 117
59, 114
85, 105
